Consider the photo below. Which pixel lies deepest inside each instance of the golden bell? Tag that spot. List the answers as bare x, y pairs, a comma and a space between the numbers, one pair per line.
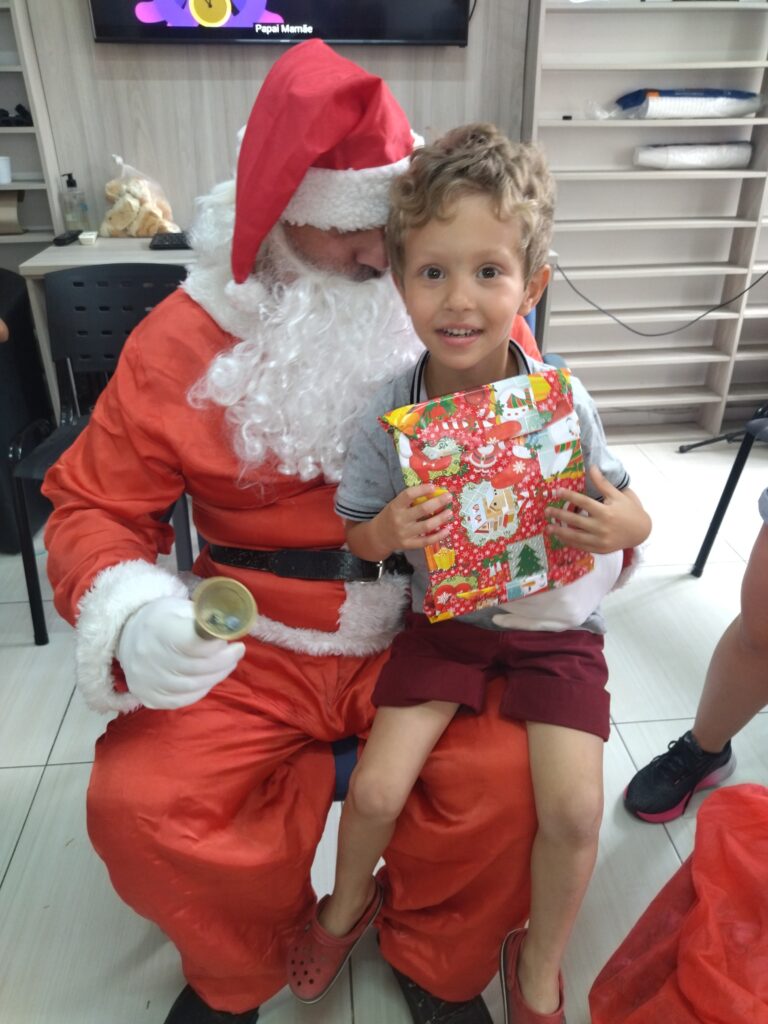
224, 609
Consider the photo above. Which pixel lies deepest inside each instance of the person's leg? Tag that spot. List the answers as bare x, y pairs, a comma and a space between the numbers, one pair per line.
457, 868
735, 689
736, 685
401, 739
208, 817
566, 767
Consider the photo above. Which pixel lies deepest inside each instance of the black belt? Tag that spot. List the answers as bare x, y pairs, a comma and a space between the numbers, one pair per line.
311, 564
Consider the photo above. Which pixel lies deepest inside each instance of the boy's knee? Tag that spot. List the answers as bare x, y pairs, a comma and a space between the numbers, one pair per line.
375, 797
574, 818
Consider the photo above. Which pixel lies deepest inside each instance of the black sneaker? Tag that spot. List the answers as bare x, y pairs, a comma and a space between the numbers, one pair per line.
428, 1009
661, 791
189, 1008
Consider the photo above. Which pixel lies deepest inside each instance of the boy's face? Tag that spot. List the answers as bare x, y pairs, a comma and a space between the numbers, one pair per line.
463, 284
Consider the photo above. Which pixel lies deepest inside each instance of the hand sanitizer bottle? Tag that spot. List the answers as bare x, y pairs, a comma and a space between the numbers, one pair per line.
73, 204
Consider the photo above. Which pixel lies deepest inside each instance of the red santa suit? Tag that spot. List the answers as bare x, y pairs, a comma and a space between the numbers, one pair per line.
208, 816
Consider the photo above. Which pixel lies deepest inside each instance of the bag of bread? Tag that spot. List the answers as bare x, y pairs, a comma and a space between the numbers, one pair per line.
137, 206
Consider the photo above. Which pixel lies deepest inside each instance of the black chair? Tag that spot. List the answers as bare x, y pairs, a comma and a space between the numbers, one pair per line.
90, 312
755, 430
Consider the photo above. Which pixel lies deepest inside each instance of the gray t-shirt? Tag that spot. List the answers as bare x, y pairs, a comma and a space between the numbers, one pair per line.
372, 477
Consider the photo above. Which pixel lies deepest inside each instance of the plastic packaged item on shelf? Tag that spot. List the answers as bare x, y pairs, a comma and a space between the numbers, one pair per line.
661, 104
694, 155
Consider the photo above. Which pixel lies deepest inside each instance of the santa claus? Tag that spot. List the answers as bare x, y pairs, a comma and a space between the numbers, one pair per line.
208, 800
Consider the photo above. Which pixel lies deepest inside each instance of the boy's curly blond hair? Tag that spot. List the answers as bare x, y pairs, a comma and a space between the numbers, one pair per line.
475, 159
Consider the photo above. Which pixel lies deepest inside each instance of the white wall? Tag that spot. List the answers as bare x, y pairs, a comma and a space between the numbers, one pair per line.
174, 110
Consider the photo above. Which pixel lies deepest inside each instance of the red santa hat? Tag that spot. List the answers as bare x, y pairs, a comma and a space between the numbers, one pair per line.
322, 144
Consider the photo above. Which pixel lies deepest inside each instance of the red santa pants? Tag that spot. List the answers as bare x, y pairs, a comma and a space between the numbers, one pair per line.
208, 818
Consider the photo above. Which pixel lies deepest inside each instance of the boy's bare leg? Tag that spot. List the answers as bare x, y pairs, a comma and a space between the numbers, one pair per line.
567, 772
400, 742
736, 686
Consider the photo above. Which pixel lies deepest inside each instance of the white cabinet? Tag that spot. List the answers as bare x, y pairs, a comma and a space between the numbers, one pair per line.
31, 197
654, 247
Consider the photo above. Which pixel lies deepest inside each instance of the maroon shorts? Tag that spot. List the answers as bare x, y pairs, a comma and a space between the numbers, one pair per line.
557, 678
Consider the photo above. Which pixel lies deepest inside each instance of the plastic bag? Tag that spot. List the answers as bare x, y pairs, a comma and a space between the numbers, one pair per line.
658, 104
138, 206
699, 953
694, 155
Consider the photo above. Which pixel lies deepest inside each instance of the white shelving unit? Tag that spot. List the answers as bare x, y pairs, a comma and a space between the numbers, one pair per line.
31, 149
654, 247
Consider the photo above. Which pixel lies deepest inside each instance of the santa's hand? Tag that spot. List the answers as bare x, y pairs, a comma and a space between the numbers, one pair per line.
166, 664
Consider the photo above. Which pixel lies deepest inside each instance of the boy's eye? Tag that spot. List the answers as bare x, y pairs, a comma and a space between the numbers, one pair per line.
432, 273
488, 273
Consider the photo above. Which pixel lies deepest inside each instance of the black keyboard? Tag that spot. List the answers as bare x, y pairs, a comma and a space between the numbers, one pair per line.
170, 240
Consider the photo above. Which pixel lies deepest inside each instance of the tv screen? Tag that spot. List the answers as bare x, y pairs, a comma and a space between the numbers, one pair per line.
435, 22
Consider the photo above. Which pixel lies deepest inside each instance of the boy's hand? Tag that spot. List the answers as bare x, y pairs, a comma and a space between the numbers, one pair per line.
618, 521
406, 524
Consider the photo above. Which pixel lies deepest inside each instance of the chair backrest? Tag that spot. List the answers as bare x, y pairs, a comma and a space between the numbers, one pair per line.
92, 310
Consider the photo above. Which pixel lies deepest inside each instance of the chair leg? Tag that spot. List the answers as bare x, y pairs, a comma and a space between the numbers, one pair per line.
725, 499
180, 520
29, 562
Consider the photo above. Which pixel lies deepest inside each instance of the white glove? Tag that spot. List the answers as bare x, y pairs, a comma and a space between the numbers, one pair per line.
166, 664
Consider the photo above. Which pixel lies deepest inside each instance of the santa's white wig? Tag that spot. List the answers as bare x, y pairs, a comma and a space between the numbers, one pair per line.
312, 348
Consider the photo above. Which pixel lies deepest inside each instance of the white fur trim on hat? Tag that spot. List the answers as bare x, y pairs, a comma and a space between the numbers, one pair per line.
345, 200
116, 593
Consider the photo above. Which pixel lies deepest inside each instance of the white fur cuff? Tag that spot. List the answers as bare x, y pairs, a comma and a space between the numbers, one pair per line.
635, 560
116, 593
369, 619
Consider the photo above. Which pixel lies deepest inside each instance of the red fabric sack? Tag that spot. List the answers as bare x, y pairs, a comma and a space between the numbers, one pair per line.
699, 953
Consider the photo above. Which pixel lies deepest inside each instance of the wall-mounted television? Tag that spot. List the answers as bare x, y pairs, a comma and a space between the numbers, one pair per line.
409, 22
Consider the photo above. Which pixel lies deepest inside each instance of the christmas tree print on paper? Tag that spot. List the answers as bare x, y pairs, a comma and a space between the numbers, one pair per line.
528, 565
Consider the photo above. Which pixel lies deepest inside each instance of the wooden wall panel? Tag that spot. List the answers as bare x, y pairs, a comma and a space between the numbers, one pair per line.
174, 110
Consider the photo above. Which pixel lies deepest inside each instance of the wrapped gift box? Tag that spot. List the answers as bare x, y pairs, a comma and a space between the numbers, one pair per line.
502, 451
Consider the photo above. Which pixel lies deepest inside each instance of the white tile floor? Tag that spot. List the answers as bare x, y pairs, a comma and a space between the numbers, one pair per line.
71, 953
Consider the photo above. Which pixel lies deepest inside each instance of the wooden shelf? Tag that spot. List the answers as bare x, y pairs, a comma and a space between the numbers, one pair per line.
656, 224
648, 122
645, 64
756, 392
652, 174
652, 398
680, 433
640, 6
634, 235
643, 357
654, 270
658, 315
22, 186
749, 353
33, 156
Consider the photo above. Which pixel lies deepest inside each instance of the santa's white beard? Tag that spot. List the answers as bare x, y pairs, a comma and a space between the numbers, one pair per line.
313, 351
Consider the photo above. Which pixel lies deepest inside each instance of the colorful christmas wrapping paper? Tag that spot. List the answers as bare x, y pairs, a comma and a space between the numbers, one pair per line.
501, 450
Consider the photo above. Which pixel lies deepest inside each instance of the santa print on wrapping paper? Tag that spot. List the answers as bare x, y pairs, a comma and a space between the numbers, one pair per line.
502, 450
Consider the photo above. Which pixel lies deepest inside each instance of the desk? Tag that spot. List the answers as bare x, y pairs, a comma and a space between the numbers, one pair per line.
69, 257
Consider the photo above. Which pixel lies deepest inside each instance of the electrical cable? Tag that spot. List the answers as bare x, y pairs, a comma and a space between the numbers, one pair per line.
474, 5
658, 334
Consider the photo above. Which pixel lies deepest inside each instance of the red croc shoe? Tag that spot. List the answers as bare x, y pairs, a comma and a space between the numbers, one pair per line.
317, 958
516, 1010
